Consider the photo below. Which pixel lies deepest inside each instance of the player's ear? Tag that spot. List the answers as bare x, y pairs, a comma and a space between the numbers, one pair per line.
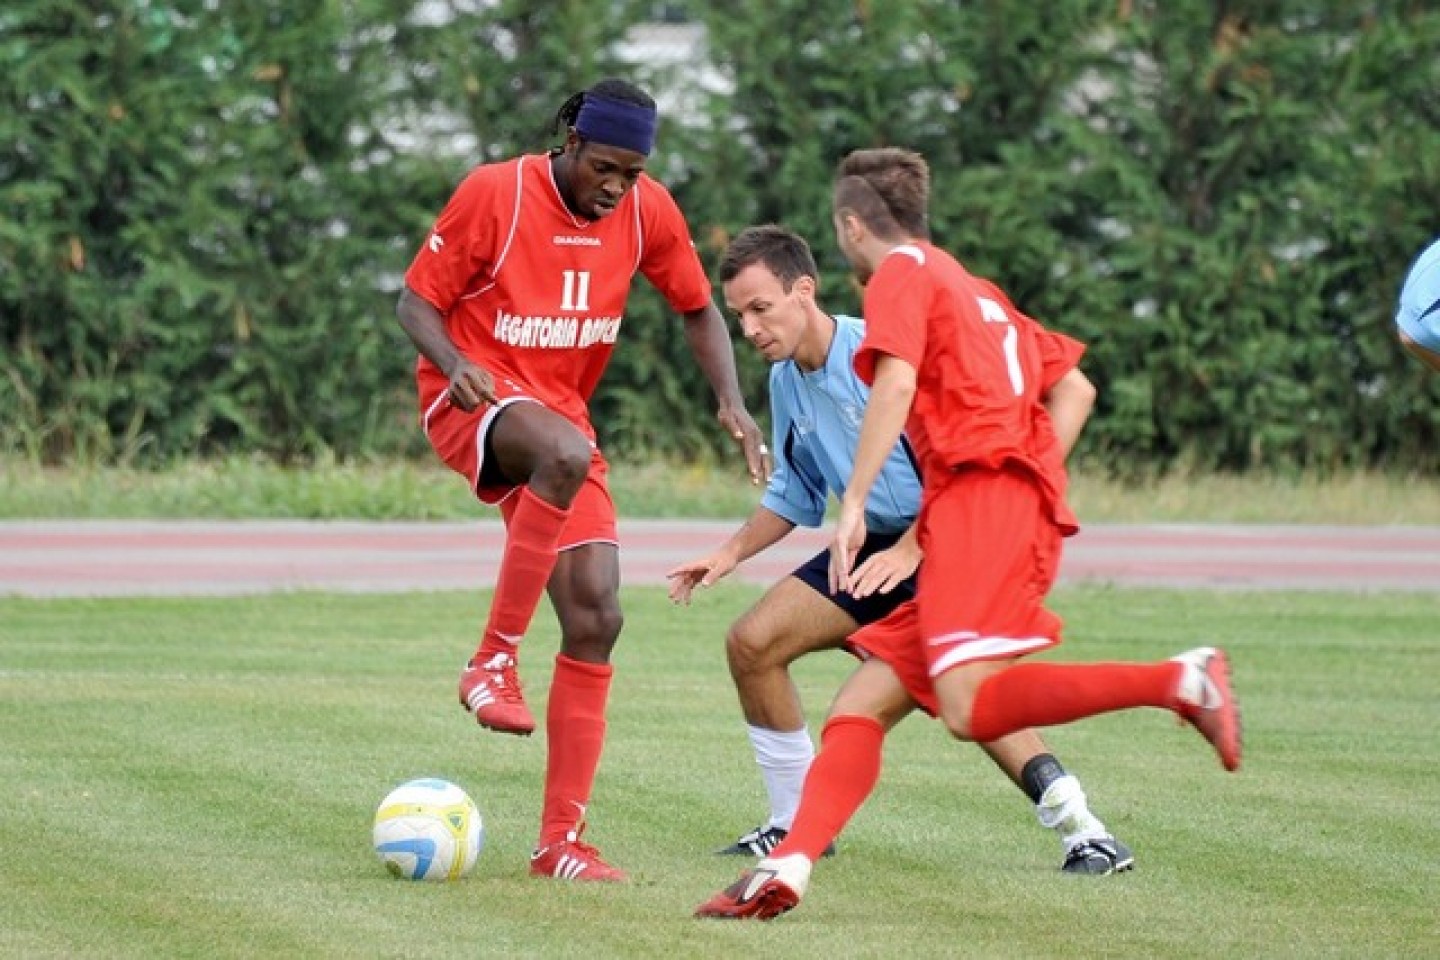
805, 288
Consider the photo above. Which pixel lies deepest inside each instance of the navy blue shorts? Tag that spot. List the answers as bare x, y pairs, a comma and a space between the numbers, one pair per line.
816, 573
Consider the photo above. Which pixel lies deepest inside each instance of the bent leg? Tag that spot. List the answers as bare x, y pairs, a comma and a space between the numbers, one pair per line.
789, 621
548, 458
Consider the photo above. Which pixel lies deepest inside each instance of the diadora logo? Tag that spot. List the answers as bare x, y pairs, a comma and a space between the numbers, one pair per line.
572, 240
436, 242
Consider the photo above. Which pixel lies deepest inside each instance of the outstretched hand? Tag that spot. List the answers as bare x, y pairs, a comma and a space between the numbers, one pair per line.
739, 424
698, 573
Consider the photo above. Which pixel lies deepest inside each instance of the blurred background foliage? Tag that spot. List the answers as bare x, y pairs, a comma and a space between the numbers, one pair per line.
206, 208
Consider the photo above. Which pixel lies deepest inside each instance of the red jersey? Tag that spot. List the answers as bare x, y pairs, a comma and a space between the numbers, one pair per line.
981, 365
535, 294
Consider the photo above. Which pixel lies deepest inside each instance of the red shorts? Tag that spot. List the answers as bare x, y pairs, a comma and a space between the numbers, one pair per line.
991, 556
459, 439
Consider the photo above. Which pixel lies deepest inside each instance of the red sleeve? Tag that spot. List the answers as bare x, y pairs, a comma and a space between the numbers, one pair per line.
462, 244
1059, 355
897, 307
668, 258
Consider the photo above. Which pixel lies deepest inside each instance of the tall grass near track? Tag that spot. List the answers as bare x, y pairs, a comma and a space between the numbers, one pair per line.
408, 490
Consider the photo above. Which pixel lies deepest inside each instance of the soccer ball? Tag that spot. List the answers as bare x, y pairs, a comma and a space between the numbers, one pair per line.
428, 830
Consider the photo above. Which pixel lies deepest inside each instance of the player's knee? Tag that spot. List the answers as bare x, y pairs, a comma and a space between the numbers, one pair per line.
605, 623
957, 721
747, 648
563, 462
591, 634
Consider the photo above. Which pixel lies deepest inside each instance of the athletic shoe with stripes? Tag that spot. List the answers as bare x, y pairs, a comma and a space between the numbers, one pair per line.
1098, 858
570, 859
774, 886
760, 842
491, 691
1205, 701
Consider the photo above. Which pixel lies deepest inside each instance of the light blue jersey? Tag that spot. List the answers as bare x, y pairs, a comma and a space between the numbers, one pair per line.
816, 418
1418, 313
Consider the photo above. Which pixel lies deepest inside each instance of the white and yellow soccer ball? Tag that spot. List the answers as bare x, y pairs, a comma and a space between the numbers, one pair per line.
428, 830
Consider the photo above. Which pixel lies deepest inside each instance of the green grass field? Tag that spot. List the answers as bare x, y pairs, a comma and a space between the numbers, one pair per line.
195, 778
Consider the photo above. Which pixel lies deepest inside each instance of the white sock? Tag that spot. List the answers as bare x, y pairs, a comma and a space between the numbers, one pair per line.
784, 757
1062, 809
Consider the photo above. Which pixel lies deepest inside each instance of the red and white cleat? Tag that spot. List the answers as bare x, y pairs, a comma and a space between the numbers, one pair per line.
491, 691
570, 859
774, 886
1206, 702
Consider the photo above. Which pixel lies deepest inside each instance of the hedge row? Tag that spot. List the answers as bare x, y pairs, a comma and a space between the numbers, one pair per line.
205, 209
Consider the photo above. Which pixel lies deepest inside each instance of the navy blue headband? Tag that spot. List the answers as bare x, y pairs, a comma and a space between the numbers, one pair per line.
617, 123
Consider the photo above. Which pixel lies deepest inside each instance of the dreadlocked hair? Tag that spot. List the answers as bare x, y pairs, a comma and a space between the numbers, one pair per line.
612, 89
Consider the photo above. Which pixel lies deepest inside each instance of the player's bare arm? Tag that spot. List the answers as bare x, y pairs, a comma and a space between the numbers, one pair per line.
890, 397
470, 386
709, 340
763, 530
1069, 402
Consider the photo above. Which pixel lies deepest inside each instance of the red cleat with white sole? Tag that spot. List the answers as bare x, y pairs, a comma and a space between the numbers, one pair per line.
570, 859
774, 886
491, 691
1206, 702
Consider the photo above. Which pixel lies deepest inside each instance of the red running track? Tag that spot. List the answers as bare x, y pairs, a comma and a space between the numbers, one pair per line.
131, 558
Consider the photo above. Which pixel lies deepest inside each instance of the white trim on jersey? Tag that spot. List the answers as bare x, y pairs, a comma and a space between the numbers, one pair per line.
510, 237
910, 250
639, 231
971, 646
586, 543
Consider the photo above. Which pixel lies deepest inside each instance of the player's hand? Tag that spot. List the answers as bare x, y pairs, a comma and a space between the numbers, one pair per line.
738, 423
849, 538
698, 573
886, 570
471, 386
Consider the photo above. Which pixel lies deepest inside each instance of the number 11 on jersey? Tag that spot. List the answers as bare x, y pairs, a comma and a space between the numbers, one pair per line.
576, 296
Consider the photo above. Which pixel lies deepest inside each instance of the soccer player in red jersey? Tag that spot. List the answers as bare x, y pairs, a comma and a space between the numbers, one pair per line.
953, 364
515, 301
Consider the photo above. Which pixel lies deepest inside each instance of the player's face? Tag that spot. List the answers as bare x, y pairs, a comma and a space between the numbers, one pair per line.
597, 177
771, 317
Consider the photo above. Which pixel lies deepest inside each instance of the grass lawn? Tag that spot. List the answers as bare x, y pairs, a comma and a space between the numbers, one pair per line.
195, 778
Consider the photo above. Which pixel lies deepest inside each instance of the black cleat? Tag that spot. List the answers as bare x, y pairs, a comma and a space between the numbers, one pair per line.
1098, 858
760, 842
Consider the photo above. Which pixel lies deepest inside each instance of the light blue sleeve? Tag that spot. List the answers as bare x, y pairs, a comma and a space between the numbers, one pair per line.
797, 490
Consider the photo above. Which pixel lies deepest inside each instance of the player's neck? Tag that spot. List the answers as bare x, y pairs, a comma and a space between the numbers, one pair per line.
814, 348
560, 173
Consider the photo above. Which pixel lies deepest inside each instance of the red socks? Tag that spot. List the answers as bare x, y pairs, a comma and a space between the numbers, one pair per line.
575, 727
530, 540
844, 773
1046, 694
